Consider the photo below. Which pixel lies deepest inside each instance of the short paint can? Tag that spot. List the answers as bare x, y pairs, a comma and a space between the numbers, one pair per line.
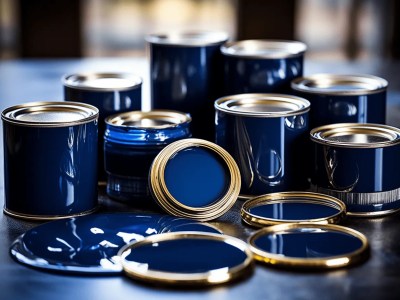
50, 159
261, 66
131, 141
111, 93
265, 134
186, 74
359, 164
337, 98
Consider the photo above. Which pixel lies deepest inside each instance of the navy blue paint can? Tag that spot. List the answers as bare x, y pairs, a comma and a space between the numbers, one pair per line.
261, 66
359, 164
131, 142
339, 98
186, 74
265, 134
50, 159
111, 93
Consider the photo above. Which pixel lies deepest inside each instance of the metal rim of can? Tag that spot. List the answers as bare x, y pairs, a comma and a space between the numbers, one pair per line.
87, 113
171, 205
172, 119
264, 49
77, 81
188, 38
199, 279
294, 105
29, 217
292, 197
320, 84
332, 262
390, 135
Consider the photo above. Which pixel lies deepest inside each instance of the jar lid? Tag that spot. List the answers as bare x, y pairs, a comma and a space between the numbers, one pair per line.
188, 38
292, 207
194, 178
309, 246
187, 258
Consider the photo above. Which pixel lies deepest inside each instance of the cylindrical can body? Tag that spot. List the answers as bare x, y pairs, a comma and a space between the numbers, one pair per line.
339, 98
50, 159
111, 93
261, 66
265, 134
131, 141
186, 74
358, 163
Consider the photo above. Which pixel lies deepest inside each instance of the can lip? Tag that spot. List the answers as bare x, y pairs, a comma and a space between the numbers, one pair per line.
279, 105
188, 38
264, 49
323, 262
154, 119
59, 114
356, 135
102, 81
282, 198
339, 84
197, 278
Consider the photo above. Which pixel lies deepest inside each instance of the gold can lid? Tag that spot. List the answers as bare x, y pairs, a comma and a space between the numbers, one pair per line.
194, 178
292, 207
187, 258
309, 246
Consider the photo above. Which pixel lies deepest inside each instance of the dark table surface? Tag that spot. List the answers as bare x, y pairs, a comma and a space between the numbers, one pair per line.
378, 278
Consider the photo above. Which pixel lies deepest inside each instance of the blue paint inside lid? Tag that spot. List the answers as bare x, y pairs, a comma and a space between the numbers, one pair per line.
308, 243
196, 177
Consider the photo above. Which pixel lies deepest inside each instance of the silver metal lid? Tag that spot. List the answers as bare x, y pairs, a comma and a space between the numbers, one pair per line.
102, 81
336, 84
157, 119
50, 114
189, 38
356, 135
262, 105
268, 49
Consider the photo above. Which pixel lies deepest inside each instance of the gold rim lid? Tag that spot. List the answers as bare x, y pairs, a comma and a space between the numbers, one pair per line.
292, 207
194, 178
187, 258
309, 246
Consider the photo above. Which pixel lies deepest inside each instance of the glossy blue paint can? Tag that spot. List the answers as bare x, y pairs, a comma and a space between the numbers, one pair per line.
131, 141
265, 134
337, 98
50, 159
111, 93
358, 163
186, 74
261, 66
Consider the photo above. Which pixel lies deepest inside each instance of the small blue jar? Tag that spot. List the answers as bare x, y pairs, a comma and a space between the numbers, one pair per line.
50, 160
261, 66
131, 141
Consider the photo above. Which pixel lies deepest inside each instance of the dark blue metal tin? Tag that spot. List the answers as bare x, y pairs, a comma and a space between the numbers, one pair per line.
186, 74
111, 93
261, 66
50, 159
343, 98
131, 141
265, 134
358, 163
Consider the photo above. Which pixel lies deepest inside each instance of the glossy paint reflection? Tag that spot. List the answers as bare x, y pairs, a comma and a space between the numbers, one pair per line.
90, 244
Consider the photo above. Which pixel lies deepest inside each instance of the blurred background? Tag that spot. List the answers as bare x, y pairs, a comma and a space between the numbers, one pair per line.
337, 29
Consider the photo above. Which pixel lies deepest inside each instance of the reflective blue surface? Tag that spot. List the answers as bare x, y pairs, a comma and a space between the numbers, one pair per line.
293, 211
308, 243
196, 177
189, 255
50, 171
108, 103
268, 151
89, 244
188, 79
